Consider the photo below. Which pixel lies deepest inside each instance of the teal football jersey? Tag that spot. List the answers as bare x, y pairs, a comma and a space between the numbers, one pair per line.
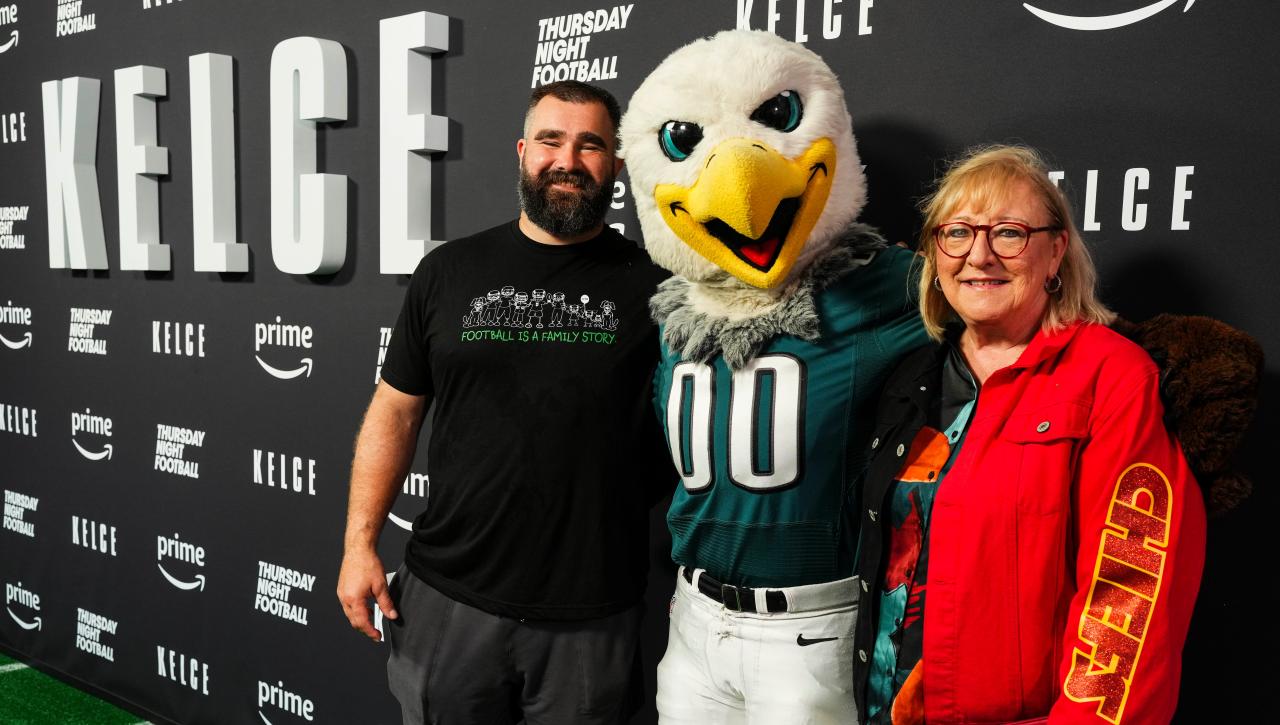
768, 455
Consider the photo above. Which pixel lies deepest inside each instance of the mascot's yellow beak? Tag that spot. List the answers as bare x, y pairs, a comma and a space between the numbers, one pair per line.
751, 209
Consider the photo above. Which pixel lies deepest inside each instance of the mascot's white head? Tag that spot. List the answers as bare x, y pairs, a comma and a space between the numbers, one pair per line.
742, 159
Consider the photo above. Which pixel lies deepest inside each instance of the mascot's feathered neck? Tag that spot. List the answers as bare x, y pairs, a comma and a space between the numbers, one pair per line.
699, 334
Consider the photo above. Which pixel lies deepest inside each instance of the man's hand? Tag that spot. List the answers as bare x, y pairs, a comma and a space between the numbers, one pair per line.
362, 578
384, 450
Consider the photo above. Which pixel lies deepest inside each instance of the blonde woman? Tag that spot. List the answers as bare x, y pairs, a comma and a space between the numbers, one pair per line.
1032, 538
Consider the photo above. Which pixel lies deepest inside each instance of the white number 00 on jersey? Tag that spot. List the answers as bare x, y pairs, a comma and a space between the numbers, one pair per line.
763, 452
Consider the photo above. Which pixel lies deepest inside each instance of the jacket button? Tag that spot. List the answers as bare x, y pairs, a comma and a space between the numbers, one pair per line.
875, 444
862, 655
1044, 426
872, 514
901, 449
865, 588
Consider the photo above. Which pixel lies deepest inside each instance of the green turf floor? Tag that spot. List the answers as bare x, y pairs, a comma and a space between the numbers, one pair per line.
30, 697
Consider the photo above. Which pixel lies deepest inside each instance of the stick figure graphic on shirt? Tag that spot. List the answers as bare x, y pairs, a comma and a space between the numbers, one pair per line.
477, 311
506, 304
537, 303
507, 307
557, 310
608, 321
490, 315
521, 309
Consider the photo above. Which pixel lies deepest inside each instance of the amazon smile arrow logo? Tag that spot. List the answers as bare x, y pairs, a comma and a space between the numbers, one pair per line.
24, 341
415, 484
25, 625
104, 453
1104, 22
13, 42
303, 369
406, 525
199, 582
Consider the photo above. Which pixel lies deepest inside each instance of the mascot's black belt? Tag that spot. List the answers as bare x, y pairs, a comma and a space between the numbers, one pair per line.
738, 599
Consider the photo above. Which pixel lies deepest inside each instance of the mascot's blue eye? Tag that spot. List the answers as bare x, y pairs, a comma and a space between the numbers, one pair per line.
678, 138
782, 112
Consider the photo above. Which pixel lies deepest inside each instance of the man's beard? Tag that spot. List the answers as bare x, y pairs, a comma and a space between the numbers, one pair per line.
564, 213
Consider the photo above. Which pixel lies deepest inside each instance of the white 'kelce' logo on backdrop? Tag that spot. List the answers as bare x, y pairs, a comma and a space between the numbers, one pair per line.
1104, 22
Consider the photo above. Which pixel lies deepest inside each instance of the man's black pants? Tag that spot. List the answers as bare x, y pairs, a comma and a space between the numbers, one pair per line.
452, 664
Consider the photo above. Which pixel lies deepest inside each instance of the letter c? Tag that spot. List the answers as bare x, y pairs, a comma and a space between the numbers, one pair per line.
308, 209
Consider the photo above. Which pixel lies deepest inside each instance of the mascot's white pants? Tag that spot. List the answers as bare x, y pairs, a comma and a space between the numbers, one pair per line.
724, 667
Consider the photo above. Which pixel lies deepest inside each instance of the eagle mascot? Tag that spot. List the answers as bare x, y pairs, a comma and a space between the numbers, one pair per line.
781, 321
783, 317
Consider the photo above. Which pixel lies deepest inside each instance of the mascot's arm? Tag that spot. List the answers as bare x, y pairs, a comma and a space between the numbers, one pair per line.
1209, 374
663, 475
1139, 528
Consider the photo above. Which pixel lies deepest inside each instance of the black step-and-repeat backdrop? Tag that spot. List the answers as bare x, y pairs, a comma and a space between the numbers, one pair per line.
208, 209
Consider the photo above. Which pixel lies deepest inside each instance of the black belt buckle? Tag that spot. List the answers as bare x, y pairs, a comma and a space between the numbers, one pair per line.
735, 598
731, 598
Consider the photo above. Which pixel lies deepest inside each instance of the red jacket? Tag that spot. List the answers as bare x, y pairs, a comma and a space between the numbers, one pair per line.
1066, 542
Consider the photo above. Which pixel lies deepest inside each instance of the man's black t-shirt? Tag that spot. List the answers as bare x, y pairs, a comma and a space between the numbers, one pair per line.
544, 450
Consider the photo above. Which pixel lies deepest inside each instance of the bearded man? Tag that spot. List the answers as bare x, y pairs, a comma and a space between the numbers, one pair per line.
519, 598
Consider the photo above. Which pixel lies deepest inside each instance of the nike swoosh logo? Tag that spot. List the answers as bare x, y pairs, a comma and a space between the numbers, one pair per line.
800, 640
287, 374
104, 453
25, 625
1103, 22
181, 584
13, 41
24, 341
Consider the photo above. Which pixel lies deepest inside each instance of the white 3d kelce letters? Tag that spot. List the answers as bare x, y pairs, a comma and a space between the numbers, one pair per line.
308, 87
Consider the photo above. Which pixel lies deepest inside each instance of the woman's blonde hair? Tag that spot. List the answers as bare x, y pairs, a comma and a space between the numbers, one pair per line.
983, 178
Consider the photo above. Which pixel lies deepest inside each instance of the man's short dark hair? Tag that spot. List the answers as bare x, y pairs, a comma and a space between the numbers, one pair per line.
576, 92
